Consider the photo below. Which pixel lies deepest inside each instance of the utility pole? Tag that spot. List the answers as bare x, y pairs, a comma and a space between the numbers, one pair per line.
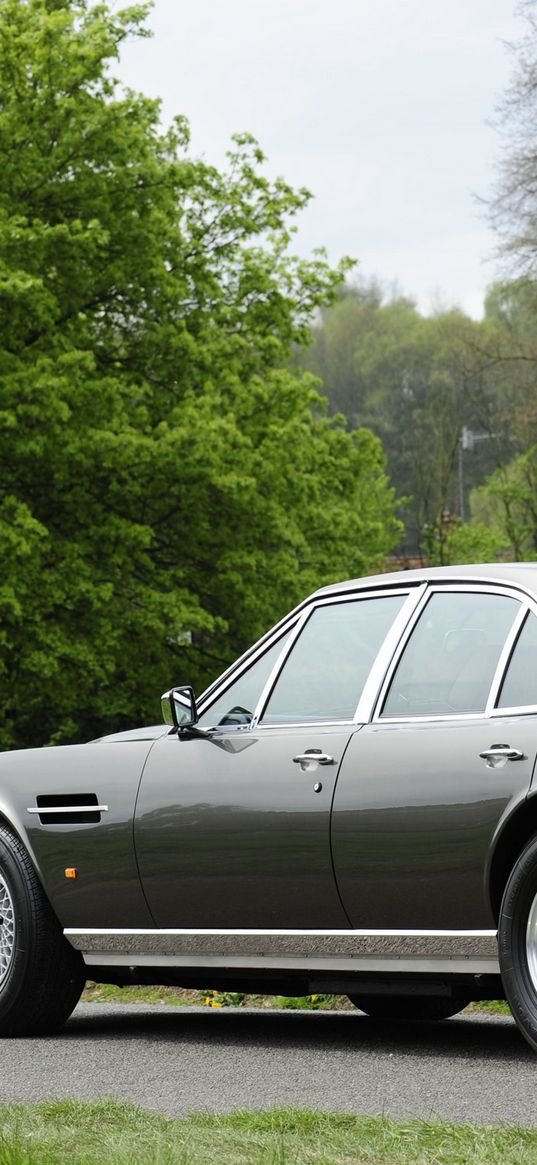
467, 442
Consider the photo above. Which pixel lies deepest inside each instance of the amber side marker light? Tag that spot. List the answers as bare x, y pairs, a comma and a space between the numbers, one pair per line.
70, 872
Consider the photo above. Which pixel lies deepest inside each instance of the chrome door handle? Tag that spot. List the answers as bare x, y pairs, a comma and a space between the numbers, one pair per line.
320, 758
500, 752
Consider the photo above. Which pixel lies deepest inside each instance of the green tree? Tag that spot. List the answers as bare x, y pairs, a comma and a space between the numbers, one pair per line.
514, 206
416, 382
169, 485
507, 503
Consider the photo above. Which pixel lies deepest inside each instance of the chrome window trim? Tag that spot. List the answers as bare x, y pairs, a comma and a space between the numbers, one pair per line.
242, 665
353, 590
278, 667
472, 587
505, 656
384, 667
318, 725
411, 596
426, 718
516, 709
385, 654
248, 657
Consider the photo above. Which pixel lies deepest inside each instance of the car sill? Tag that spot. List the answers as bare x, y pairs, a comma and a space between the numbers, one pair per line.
466, 951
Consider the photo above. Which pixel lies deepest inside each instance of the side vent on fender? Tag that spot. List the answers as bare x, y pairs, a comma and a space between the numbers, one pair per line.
68, 808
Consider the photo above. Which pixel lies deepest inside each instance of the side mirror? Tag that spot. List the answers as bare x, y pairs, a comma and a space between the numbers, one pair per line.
179, 707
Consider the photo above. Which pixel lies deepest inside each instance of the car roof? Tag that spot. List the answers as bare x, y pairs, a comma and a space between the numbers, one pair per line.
523, 574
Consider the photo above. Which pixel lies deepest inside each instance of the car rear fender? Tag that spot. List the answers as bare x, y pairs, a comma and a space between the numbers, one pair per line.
513, 832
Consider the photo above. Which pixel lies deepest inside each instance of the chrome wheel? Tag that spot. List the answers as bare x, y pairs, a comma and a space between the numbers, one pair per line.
7, 930
531, 942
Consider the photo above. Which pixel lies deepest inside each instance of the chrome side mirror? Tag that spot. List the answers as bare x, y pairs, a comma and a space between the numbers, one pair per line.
179, 707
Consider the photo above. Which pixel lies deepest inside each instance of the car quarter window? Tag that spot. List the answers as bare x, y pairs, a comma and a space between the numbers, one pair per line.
519, 686
325, 673
237, 705
448, 664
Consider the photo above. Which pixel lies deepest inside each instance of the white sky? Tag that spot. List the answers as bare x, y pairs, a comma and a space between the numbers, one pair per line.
380, 107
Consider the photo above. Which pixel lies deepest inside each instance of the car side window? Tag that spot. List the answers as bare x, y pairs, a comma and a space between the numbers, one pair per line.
519, 687
325, 673
237, 705
449, 662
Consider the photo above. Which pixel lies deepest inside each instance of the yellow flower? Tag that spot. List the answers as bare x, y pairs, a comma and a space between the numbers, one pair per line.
314, 998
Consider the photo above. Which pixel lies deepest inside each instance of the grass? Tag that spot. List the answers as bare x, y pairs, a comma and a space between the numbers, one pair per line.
178, 997
111, 1133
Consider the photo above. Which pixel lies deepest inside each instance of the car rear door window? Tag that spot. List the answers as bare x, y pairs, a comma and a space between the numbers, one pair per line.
324, 675
519, 688
450, 660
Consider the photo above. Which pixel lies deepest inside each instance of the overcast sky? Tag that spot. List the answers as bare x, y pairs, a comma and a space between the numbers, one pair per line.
380, 107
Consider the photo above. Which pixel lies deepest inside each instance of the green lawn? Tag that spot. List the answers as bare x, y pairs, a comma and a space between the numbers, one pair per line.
109, 1133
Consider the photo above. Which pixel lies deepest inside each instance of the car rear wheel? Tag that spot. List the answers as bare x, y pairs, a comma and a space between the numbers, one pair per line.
517, 942
41, 976
411, 1008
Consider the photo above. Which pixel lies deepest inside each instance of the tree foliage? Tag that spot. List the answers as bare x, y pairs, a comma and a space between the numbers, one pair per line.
417, 382
169, 485
508, 500
514, 206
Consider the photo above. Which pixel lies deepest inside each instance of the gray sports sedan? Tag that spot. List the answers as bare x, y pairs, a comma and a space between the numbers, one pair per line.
350, 808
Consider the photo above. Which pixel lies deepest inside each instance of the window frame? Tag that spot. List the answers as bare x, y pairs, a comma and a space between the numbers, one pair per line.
514, 709
295, 623
378, 668
490, 710
244, 663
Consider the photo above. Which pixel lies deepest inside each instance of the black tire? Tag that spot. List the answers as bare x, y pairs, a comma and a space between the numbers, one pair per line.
41, 976
409, 1008
517, 942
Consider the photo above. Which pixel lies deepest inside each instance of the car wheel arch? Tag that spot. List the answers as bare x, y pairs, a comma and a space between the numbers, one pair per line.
21, 836
515, 834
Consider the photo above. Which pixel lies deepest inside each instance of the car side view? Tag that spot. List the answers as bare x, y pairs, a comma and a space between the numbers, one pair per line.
351, 807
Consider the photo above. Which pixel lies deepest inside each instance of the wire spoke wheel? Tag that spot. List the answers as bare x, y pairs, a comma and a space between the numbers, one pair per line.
41, 975
7, 930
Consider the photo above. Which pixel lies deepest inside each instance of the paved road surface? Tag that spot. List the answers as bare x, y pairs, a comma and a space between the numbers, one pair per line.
178, 1060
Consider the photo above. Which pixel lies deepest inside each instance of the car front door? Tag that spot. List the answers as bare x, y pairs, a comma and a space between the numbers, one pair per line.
232, 831
425, 785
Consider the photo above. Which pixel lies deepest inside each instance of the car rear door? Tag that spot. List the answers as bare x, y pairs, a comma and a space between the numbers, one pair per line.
447, 754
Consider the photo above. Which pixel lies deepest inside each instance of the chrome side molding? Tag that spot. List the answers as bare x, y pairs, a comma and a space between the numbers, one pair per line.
43, 810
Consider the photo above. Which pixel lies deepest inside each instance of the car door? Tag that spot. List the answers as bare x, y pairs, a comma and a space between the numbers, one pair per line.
232, 830
445, 757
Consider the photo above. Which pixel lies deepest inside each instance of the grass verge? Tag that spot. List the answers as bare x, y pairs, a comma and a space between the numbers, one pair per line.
178, 997
110, 1133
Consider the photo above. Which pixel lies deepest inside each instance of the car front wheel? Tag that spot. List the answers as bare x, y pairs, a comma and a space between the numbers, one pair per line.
517, 942
41, 976
410, 1008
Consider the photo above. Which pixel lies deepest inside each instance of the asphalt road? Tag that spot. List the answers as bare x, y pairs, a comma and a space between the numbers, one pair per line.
179, 1060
